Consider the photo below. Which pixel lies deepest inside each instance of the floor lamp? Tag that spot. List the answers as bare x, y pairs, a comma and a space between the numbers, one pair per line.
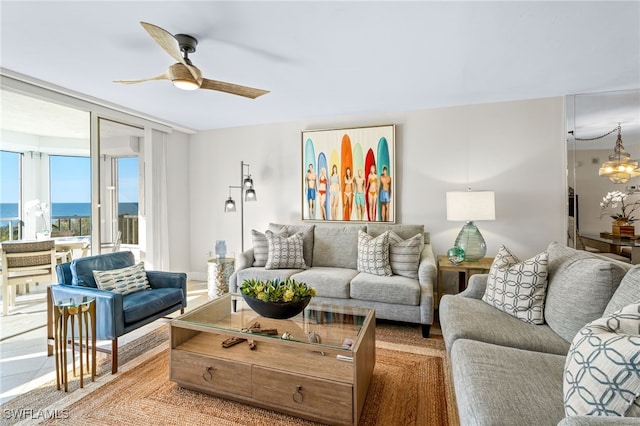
246, 186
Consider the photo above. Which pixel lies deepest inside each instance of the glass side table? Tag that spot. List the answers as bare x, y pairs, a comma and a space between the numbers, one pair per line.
219, 271
66, 311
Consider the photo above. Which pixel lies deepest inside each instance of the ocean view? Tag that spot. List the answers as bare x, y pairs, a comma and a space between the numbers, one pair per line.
10, 210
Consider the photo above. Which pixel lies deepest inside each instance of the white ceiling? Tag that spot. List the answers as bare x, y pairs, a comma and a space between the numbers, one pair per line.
322, 59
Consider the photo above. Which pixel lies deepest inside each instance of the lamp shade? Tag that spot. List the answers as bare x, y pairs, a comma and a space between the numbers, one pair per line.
471, 205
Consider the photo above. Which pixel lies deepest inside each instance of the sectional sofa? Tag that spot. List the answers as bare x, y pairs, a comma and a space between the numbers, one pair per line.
331, 267
507, 371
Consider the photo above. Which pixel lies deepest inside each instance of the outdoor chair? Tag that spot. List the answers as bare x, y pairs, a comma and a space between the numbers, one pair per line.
23, 263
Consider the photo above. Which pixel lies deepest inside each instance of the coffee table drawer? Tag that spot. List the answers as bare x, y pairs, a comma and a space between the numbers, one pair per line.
210, 373
302, 394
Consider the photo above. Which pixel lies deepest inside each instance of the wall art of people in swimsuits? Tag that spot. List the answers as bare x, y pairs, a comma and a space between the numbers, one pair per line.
348, 174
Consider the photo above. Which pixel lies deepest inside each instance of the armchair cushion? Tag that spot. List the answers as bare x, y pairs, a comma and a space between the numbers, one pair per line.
125, 280
82, 268
143, 304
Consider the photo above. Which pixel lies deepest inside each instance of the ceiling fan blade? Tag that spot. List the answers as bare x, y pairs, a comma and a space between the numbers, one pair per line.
165, 39
164, 76
170, 44
234, 89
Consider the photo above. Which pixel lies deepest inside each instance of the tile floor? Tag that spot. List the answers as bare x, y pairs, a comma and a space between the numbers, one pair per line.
24, 363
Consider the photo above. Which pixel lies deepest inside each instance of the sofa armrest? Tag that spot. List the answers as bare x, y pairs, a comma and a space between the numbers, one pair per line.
598, 420
244, 260
109, 309
162, 279
477, 286
427, 275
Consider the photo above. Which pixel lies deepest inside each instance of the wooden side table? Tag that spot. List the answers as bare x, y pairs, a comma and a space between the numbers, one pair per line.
66, 311
464, 270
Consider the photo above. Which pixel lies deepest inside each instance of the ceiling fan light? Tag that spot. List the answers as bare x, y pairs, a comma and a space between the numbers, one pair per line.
185, 84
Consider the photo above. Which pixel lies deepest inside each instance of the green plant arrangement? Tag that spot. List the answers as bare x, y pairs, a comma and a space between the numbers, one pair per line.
276, 298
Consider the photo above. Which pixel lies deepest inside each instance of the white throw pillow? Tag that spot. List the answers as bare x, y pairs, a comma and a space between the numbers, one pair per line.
125, 280
602, 370
373, 254
518, 288
284, 252
404, 255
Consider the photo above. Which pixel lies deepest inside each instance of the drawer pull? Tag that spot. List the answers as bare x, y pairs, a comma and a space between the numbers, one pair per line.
208, 374
297, 395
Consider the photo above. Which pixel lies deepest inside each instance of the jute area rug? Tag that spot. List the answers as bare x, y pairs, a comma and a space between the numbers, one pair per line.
410, 386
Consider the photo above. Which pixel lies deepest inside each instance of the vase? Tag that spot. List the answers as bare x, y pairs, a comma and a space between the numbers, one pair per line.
622, 228
277, 310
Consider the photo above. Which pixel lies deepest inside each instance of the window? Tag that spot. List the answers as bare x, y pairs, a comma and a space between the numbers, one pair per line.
10, 171
128, 199
70, 180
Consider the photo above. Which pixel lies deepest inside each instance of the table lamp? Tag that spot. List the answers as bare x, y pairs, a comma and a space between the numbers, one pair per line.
470, 206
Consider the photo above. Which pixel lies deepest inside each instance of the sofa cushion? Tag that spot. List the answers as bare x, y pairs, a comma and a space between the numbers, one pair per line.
336, 246
143, 304
125, 280
580, 287
466, 318
307, 237
373, 254
328, 282
497, 385
261, 246
404, 255
627, 292
518, 288
83, 267
284, 252
260, 273
403, 231
602, 371
396, 289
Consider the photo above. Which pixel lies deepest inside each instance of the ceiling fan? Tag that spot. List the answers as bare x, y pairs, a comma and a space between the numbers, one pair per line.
184, 74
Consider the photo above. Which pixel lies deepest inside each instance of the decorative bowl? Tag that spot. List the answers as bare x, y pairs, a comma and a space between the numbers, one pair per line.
277, 310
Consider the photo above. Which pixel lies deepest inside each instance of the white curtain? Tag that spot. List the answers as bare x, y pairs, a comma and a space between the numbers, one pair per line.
155, 201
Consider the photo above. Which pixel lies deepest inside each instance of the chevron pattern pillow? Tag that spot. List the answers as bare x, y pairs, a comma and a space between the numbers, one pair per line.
373, 254
126, 280
602, 370
518, 288
284, 252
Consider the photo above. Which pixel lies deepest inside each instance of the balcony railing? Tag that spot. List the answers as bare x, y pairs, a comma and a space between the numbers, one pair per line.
71, 226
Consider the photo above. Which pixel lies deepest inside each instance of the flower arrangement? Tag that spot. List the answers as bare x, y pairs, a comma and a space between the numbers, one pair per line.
36, 208
276, 290
615, 199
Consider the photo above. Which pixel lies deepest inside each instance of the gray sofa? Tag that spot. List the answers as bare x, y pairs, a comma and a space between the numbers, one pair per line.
330, 253
506, 371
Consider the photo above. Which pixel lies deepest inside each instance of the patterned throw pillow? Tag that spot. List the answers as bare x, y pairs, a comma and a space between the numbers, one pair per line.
284, 252
126, 280
404, 255
518, 288
260, 248
373, 254
602, 370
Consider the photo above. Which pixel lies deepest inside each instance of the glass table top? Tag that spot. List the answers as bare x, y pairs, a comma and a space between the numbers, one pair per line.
319, 324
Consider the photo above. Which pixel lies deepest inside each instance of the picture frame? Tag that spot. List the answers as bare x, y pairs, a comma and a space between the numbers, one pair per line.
349, 174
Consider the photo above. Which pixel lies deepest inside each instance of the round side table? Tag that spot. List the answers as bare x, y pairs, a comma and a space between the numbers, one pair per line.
66, 311
219, 271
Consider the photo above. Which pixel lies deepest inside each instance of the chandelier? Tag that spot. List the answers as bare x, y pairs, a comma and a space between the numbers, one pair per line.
620, 167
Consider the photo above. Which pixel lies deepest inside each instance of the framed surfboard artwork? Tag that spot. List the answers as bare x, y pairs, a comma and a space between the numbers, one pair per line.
349, 175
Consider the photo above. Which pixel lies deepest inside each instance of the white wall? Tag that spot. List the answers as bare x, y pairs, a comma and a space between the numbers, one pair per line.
515, 148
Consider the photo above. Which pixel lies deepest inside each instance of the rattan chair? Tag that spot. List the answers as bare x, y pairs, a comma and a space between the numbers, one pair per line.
25, 262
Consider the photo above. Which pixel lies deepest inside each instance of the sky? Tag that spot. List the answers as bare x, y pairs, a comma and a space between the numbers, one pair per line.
70, 179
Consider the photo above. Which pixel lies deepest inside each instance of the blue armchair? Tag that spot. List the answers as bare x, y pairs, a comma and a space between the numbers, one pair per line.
116, 314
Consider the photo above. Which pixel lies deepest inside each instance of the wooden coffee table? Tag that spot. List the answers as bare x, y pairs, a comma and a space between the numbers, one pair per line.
320, 371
